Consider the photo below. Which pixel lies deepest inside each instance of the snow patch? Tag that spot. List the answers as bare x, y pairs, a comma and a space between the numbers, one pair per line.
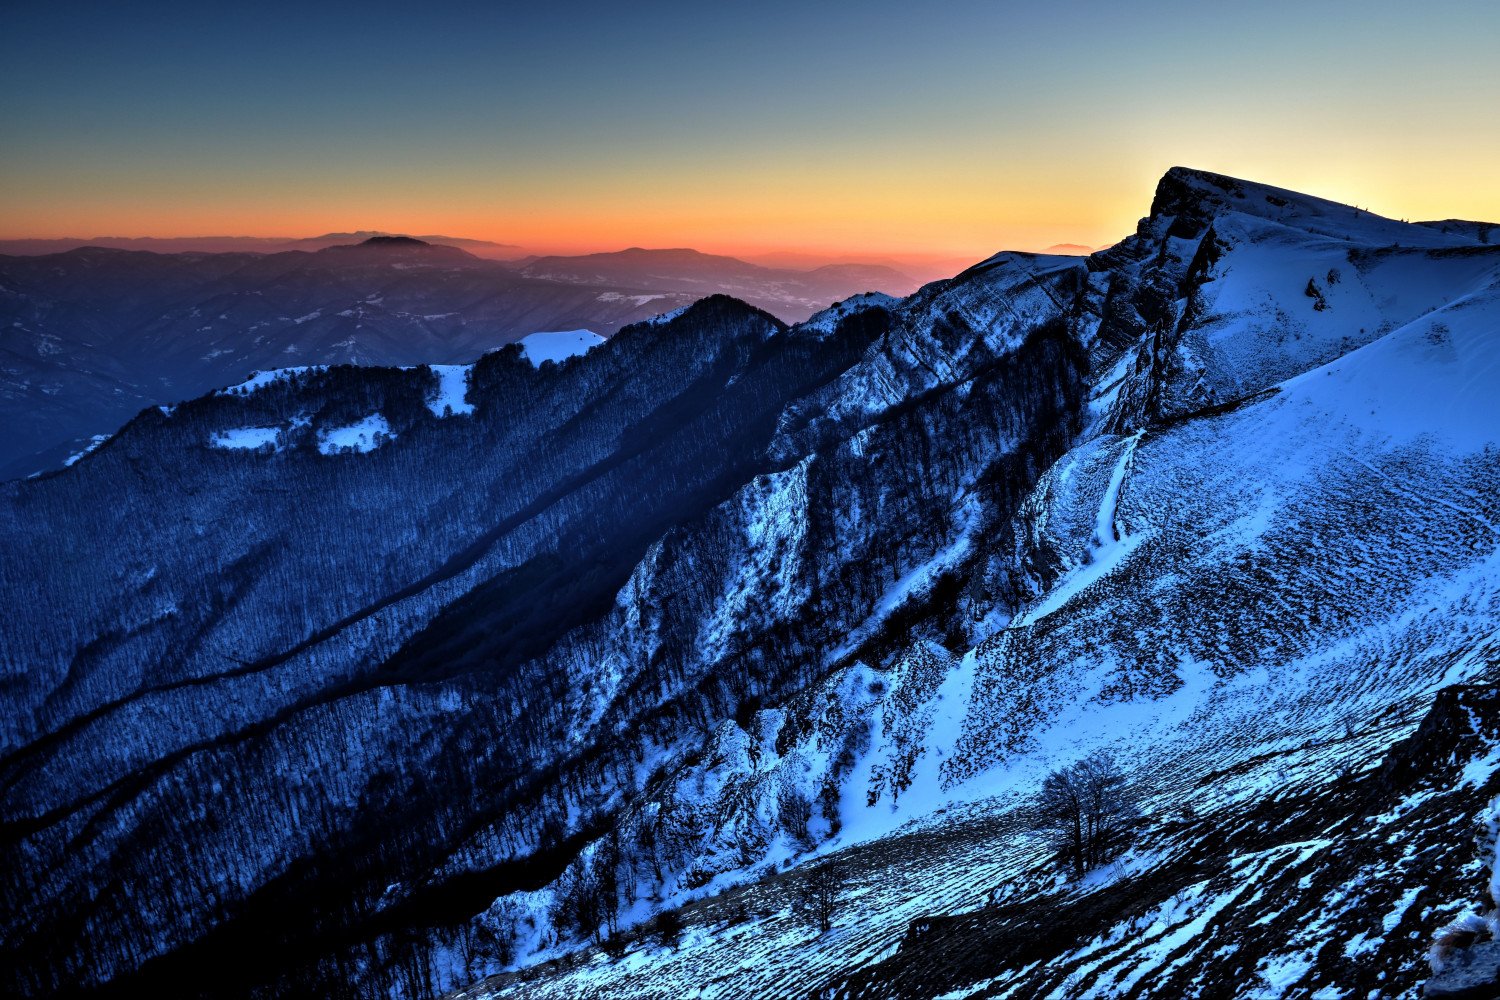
245, 438
558, 346
639, 300
451, 395
259, 380
667, 317
365, 435
93, 445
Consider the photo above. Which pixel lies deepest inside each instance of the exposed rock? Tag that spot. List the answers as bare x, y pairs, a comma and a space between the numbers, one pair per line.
1473, 976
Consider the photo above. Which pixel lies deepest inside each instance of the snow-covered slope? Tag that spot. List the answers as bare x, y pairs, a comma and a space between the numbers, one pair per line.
1250, 597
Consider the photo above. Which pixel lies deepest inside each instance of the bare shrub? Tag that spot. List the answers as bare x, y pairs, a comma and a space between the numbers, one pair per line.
1086, 810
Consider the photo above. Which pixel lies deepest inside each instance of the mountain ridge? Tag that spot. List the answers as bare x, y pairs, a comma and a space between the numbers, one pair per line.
94, 334
233, 244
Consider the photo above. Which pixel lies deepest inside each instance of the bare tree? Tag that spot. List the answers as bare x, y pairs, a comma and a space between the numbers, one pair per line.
794, 810
609, 858
481, 942
468, 947
1086, 811
815, 897
579, 906
668, 926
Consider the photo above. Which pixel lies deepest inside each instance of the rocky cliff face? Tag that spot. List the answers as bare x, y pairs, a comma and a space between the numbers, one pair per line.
369, 671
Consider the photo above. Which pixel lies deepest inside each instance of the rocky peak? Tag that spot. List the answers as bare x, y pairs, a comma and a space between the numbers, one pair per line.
1192, 199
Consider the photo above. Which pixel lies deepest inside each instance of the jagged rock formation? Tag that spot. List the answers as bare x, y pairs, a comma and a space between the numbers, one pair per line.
377, 668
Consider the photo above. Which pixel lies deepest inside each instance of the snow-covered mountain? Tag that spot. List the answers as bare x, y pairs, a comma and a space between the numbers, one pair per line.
92, 336
365, 672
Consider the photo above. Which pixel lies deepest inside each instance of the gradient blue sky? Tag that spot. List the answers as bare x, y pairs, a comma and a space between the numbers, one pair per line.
874, 127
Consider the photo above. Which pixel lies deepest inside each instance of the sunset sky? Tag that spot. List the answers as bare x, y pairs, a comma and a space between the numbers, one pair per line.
869, 128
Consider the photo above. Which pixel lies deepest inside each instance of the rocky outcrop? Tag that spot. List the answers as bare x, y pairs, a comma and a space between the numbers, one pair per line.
1475, 975
1463, 718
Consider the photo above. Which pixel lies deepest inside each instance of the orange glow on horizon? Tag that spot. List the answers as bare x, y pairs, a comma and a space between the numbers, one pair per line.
932, 222
961, 213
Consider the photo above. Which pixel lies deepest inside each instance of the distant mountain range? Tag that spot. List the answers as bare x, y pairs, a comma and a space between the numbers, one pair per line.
92, 335
244, 244
787, 293
924, 267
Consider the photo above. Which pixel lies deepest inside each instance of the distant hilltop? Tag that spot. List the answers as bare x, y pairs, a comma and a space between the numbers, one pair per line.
251, 244
395, 241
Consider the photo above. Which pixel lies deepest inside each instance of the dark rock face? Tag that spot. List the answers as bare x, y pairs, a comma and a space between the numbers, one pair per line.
1475, 976
1191, 198
1461, 716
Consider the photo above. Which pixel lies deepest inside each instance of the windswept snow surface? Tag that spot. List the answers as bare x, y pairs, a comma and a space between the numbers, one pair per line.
558, 346
1432, 378
1252, 602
